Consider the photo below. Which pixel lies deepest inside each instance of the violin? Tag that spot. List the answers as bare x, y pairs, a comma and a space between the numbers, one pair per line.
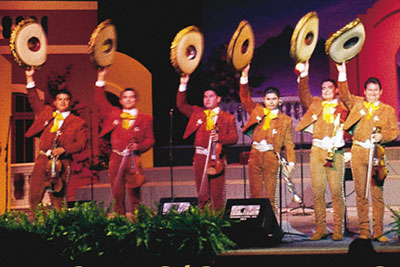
376, 163
379, 171
134, 178
54, 169
215, 164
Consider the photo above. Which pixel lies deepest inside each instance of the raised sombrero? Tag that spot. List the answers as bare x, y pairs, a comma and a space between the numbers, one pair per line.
187, 50
103, 44
346, 43
241, 47
304, 37
28, 44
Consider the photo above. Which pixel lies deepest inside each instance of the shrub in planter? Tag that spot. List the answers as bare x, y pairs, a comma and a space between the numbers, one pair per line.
196, 234
86, 235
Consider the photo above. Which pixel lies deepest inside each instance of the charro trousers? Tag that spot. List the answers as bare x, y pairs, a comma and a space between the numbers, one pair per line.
359, 167
263, 173
320, 176
216, 184
118, 187
39, 181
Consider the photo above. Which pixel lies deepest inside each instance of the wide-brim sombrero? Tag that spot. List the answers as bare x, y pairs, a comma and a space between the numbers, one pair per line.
346, 43
304, 37
187, 50
28, 44
241, 46
103, 44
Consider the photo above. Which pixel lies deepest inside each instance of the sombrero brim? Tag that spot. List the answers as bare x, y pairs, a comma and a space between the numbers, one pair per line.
186, 50
241, 46
346, 43
103, 44
304, 37
28, 44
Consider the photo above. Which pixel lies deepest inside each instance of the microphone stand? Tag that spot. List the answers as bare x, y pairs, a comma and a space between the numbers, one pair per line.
6, 160
91, 154
301, 205
240, 111
171, 111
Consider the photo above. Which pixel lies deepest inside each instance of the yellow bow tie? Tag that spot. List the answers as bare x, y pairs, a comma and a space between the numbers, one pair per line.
268, 117
57, 118
126, 118
327, 114
371, 107
210, 119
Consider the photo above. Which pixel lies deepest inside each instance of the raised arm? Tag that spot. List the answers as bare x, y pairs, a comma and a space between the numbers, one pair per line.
345, 96
104, 107
181, 100
303, 85
33, 97
244, 92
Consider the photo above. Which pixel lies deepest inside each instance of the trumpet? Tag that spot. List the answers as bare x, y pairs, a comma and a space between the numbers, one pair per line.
286, 176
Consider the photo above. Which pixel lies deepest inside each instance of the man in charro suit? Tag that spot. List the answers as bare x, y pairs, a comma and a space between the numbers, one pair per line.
325, 116
208, 122
131, 131
61, 135
367, 114
269, 130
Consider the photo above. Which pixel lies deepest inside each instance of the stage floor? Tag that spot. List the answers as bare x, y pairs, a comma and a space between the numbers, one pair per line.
296, 249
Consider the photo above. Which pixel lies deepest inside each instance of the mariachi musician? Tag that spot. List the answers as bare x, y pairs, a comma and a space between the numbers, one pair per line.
131, 135
131, 131
61, 133
270, 130
326, 114
370, 122
367, 115
208, 123
324, 120
214, 129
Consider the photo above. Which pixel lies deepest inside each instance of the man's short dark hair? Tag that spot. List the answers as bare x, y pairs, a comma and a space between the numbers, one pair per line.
217, 92
373, 80
63, 91
130, 89
329, 80
273, 90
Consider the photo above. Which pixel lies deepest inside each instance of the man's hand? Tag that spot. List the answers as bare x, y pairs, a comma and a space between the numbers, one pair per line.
29, 75
341, 67
57, 151
377, 137
245, 71
101, 73
215, 137
133, 146
302, 69
185, 79
290, 168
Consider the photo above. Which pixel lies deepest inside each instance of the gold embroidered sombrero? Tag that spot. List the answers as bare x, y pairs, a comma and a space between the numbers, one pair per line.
187, 50
346, 43
241, 47
304, 37
28, 44
103, 44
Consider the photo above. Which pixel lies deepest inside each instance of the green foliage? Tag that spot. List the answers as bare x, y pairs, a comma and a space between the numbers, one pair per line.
87, 235
192, 234
396, 221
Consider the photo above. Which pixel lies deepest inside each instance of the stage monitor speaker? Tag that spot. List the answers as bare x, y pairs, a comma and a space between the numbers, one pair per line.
253, 223
179, 203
